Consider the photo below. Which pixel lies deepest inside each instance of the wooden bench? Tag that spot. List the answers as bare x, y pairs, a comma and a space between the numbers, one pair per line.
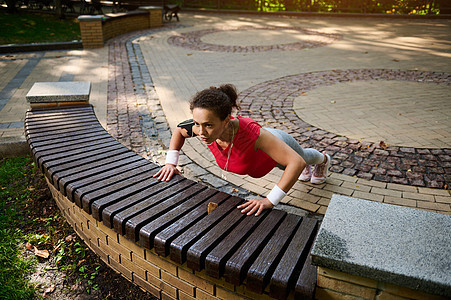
113, 187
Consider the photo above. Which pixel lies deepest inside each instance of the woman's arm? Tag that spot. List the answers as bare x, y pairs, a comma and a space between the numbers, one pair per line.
283, 155
170, 168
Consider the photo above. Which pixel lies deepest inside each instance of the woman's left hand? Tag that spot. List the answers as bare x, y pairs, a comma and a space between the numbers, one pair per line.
255, 205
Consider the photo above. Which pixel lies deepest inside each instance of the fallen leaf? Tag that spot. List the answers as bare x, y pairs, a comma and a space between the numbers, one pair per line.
333, 102
396, 60
29, 246
41, 253
211, 207
234, 190
383, 145
49, 290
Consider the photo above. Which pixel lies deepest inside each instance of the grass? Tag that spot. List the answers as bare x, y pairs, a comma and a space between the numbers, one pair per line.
29, 220
13, 191
26, 28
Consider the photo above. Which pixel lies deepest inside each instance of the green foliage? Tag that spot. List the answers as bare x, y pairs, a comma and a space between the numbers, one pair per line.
419, 7
24, 28
13, 269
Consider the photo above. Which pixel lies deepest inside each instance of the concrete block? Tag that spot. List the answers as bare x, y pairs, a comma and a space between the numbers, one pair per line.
72, 91
399, 245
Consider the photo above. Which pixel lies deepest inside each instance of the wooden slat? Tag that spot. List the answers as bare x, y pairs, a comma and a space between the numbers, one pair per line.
143, 214
99, 204
150, 205
53, 159
89, 196
66, 162
164, 228
61, 113
180, 245
51, 124
55, 129
306, 283
131, 193
54, 135
196, 254
261, 270
50, 118
235, 268
112, 172
225, 238
154, 194
89, 162
97, 188
288, 269
59, 146
60, 138
38, 112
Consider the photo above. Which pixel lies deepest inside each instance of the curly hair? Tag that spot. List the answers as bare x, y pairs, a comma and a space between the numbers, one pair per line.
219, 100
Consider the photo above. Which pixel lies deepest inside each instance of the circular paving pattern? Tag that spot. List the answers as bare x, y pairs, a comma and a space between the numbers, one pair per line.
271, 103
258, 39
373, 111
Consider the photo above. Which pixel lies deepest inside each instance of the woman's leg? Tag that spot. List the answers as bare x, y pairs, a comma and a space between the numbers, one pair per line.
310, 155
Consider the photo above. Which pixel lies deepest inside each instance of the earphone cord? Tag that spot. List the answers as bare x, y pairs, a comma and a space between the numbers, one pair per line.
230, 149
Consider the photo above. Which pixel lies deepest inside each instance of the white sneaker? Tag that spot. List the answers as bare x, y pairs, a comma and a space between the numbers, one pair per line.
321, 170
306, 174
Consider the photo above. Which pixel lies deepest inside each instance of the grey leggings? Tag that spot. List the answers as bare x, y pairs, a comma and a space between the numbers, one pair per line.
310, 155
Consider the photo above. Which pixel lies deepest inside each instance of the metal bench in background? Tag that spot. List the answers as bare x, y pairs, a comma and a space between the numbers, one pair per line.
102, 186
170, 11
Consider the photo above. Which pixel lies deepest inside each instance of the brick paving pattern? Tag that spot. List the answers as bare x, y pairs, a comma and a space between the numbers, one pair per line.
193, 40
271, 103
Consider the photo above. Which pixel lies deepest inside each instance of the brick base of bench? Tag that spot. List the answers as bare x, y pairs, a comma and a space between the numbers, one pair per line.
155, 274
337, 285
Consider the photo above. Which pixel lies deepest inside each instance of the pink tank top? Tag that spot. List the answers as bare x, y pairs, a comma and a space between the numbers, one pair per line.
244, 159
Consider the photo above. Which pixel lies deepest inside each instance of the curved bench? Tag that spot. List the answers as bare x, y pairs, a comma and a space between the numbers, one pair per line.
159, 234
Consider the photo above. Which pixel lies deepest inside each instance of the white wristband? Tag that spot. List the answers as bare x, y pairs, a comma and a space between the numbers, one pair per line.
276, 195
172, 157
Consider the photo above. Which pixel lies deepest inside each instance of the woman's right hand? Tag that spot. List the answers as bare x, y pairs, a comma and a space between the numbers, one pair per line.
166, 173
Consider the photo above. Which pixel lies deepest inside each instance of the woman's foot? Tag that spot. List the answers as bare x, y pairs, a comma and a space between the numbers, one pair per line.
306, 174
320, 171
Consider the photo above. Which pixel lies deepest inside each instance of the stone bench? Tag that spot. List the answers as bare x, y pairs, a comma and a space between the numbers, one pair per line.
159, 235
374, 250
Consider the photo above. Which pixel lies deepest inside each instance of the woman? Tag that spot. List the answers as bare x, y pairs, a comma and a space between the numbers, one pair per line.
242, 146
